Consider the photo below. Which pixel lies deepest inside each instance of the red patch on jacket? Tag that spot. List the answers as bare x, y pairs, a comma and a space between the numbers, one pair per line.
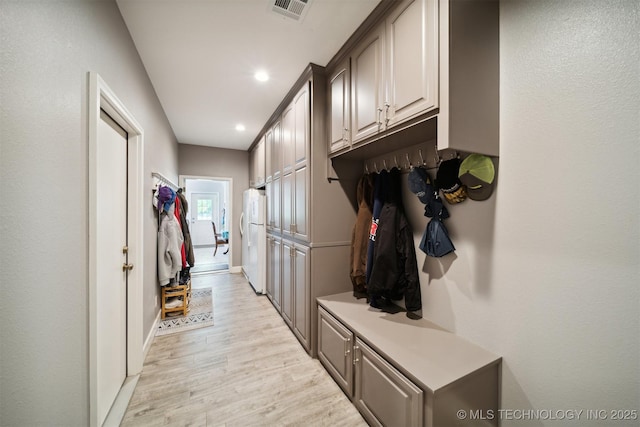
374, 229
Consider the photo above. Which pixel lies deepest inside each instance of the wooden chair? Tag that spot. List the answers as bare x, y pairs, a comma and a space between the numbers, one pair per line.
218, 239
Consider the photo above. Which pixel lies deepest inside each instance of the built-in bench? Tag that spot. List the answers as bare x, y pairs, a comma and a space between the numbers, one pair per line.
403, 371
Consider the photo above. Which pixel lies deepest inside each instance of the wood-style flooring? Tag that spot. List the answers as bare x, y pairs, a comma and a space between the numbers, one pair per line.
246, 370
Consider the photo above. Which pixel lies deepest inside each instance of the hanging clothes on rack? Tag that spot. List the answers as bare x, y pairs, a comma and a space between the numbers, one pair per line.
392, 269
177, 213
170, 238
184, 211
435, 239
360, 236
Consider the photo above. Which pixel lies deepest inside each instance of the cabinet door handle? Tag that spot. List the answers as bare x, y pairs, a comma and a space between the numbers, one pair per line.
347, 347
379, 119
355, 353
386, 113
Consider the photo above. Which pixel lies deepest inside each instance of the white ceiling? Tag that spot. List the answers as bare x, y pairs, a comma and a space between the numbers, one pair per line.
201, 56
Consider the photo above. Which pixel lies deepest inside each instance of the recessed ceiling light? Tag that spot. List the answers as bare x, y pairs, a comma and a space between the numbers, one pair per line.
240, 127
261, 76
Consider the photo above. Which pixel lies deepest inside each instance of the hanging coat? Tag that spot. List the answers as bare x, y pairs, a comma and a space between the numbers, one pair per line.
170, 240
394, 268
178, 213
184, 223
381, 181
360, 236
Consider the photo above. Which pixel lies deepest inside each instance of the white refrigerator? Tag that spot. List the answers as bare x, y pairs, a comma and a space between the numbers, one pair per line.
254, 239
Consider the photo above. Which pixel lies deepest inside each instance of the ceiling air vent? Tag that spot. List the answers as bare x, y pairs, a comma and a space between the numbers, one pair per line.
294, 9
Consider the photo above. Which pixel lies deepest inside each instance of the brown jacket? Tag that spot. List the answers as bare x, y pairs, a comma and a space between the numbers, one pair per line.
360, 236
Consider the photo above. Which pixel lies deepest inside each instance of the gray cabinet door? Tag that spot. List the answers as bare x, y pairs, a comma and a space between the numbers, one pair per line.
301, 204
367, 86
288, 194
274, 263
339, 100
301, 295
287, 282
383, 395
411, 60
335, 344
301, 126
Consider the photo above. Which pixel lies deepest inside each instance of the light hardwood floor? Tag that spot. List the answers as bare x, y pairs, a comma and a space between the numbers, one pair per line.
246, 370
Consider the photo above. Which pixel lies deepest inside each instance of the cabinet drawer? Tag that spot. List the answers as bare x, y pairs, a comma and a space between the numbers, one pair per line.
383, 395
335, 350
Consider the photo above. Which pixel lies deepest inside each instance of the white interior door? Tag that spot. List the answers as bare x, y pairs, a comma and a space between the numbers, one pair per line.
111, 277
204, 208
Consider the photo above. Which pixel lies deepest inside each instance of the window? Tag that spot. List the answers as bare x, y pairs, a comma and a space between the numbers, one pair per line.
205, 209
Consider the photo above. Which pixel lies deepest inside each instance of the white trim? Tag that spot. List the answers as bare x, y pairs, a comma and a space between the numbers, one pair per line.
182, 184
236, 269
101, 97
150, 337
119, 408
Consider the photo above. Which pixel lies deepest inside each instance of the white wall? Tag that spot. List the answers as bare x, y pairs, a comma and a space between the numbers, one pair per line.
48, 47
547, 272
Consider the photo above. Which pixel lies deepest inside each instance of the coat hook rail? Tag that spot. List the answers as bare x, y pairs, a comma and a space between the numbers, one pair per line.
164, 180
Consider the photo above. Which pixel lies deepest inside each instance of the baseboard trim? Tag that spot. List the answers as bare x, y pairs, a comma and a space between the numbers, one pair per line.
150, 337
236, 269
120, 404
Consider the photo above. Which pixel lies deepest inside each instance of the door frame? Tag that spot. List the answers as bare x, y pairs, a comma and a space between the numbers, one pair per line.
102, 97
183, 180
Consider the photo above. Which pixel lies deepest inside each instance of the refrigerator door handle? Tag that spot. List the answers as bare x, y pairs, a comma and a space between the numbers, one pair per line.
241, 224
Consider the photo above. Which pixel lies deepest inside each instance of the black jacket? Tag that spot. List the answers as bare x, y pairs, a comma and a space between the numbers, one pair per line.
394, 272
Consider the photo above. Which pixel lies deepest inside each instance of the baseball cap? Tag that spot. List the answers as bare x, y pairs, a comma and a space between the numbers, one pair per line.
448, 182
435, 240
420, 184
477, 173
166, 197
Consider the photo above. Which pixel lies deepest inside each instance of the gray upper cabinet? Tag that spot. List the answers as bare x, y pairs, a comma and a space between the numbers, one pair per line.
468, 118
296, 145
367, 86
394, 69
273, 162
287, 138
420, 70
257, 176
412, 61
339, 114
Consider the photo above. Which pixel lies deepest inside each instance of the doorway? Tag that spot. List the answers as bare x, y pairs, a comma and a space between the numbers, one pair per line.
115, 244
210, 201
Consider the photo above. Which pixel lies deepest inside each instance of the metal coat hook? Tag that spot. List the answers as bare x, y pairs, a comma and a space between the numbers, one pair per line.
395, 159
408, 161
438, 159
421, 158
366, 168
384, 163
375, 166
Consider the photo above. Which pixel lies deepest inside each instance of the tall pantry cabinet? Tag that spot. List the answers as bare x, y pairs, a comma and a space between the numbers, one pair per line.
308, 240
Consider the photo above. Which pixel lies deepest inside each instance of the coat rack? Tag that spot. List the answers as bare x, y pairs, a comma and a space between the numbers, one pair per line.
425, 155
161, 179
